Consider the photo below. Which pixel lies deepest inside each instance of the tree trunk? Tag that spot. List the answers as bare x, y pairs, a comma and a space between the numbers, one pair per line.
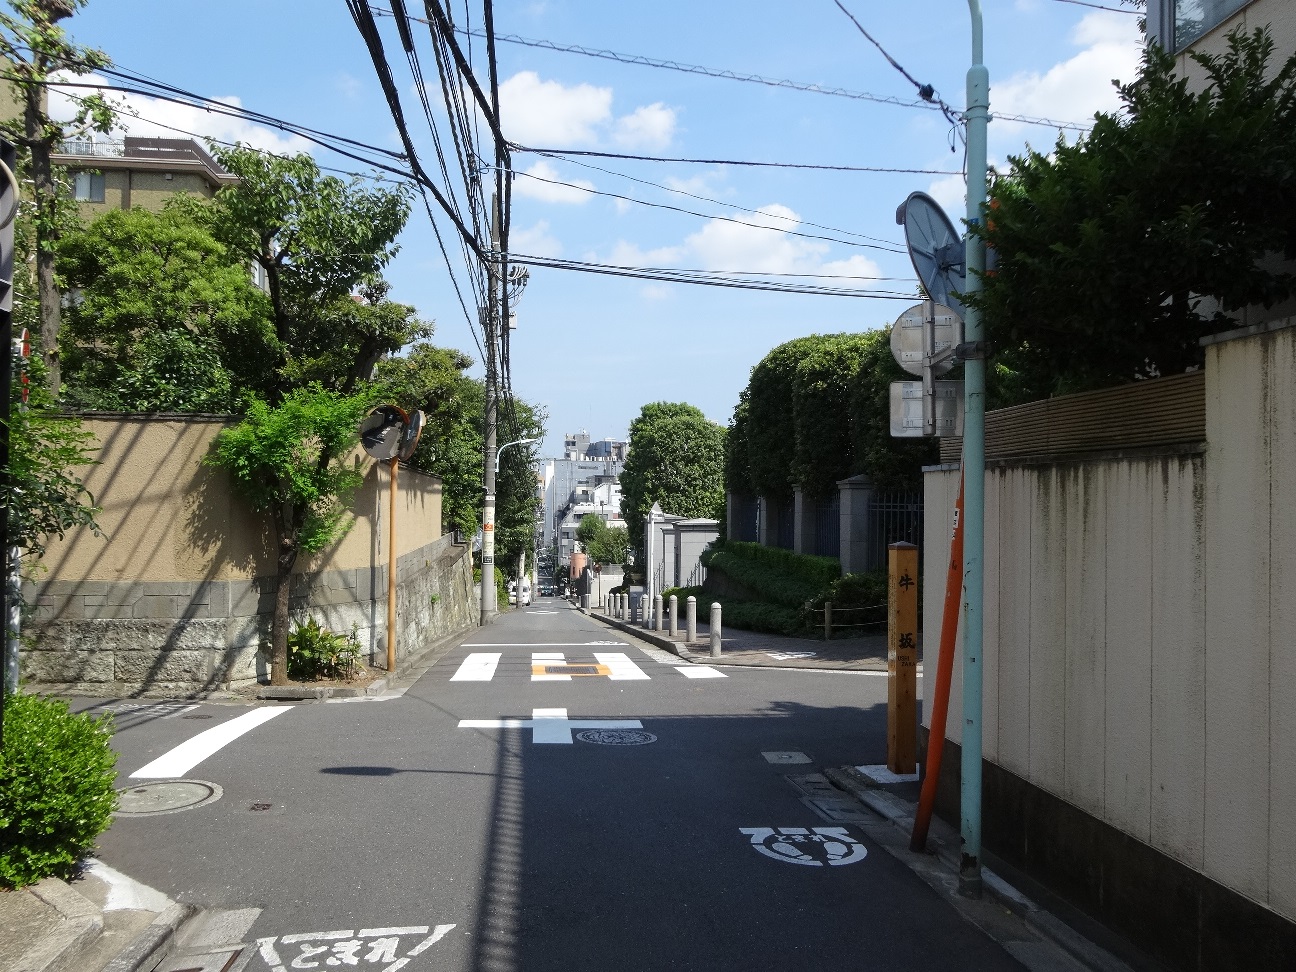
44, 195
283, 587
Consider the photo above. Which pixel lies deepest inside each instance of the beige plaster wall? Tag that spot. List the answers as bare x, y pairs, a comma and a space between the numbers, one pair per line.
166, 517
1140, 629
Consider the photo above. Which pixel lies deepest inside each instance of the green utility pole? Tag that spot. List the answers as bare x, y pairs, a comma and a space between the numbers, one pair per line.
978, 118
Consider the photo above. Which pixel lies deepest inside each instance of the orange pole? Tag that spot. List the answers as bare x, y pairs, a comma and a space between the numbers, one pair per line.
944, 675
391, 574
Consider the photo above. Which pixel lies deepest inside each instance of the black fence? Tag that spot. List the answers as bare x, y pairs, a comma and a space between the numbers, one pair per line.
745, 519
786, 524
893, 518
828, 526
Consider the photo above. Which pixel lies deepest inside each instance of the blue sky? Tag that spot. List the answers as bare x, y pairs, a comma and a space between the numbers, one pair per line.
592, 350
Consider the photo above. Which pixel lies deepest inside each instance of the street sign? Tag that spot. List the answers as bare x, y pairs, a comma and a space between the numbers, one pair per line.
907, 413
926, 330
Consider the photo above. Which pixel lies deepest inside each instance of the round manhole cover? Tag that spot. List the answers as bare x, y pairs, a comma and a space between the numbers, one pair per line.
166, 796
616, 737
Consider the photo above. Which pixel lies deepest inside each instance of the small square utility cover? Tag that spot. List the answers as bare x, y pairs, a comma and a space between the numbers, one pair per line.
222, 960
785, 758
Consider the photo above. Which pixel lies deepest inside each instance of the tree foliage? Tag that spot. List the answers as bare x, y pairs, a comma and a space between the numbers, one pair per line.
1117, 253
676, 459
604, 544
33, 47
164, 319
817, 410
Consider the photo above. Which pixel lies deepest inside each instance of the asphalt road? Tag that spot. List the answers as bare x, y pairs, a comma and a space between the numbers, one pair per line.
376, 821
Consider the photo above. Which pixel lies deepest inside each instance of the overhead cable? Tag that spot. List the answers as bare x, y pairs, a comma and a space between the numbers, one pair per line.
736, 162
724, 219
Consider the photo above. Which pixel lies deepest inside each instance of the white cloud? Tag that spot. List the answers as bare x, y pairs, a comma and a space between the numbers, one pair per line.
648, 126
148, 117
573, 190
535, 241
748, 246
951, 193
537, 112
1074, 89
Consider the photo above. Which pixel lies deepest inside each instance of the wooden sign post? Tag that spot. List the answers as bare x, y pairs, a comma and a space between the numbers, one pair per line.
902, 658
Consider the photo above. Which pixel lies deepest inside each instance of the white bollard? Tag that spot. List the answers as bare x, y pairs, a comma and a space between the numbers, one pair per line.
690, 619
715, 629
673, 620
657, 613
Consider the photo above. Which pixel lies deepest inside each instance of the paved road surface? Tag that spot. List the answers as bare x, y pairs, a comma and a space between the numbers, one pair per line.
361, 829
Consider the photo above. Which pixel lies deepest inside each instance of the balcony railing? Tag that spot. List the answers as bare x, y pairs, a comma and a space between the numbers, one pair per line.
103, 150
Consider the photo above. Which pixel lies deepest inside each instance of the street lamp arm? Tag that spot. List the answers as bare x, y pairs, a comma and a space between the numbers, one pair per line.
500, 450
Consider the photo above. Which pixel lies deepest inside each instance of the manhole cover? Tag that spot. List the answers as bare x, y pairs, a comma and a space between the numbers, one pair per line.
786, 757
616, 737
168, 796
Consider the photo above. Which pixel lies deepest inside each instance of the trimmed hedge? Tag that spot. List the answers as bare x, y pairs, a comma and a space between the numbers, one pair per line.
56, 788
850, 594
773, 574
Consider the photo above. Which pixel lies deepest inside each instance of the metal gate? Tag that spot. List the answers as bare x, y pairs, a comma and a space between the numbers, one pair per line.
746, 518
828, 526
892, 518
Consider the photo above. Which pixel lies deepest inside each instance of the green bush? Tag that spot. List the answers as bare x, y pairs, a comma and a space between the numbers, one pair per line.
684, 593
56, 788
315, 652
773, 574
857, 599
759, 616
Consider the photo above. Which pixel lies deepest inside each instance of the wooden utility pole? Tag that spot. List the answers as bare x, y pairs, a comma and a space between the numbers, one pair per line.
902, 658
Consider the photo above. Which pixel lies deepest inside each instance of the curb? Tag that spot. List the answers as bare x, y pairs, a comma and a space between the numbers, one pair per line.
149, 946
679, 648
82, 923
900, 813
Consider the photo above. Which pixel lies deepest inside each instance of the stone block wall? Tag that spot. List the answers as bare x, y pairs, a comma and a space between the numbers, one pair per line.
191, 637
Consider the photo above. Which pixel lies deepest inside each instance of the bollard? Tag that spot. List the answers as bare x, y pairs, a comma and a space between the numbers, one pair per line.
714, 624
657, 613
673, 620
902, 658
690, 619
625, 607
827, 620
584, 602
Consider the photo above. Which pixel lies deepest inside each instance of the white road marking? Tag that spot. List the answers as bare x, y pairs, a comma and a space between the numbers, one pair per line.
550, 725
125, 893
620, 667
543, 658
699, 671
477, 667
813, 847
191, 752
540, 644
383, 944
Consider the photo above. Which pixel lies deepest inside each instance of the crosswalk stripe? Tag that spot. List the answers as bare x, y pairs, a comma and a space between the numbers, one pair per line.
620, 667
699, 671
477, 667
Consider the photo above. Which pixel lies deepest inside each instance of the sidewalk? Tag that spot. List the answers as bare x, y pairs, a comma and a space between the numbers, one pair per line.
863, 654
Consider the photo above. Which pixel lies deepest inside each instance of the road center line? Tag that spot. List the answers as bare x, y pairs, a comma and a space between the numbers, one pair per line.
180, 760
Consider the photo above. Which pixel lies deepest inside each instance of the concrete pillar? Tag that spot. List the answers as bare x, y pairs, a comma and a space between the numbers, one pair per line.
673, 616
854, 494
657, 612
767, 524
715, 623
690, 619
804, 510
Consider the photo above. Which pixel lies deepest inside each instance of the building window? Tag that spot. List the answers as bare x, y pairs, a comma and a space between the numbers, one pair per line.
89, 187
1193, 18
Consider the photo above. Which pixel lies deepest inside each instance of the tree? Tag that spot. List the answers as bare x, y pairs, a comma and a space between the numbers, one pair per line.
289, 462
771, 422
676, 459
318, 239
321, 242
1118, 253
891, 463
164, 320
34, 47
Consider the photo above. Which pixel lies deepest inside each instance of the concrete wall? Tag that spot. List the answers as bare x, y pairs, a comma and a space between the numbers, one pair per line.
1138, 627
177, 592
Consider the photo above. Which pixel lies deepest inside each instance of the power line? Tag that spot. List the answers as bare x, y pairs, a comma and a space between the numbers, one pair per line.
1098, 6
723, 219
735, 162
654, 62
717, 202
702, 278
